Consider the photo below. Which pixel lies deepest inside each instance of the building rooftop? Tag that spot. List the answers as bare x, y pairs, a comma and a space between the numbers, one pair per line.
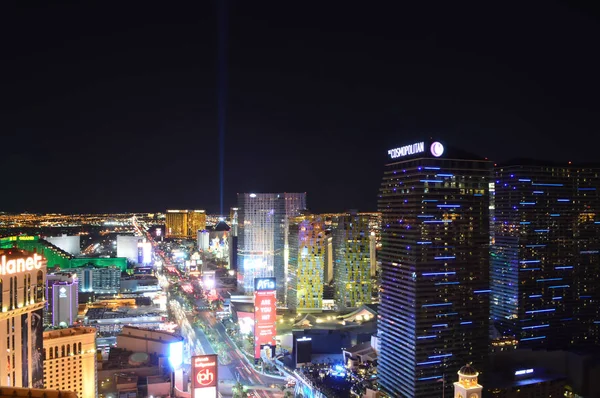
362, 349
508, 380
76, 331
119, 358
221, 226
158, 379
468, 370
536, 162
150, 334
34, 392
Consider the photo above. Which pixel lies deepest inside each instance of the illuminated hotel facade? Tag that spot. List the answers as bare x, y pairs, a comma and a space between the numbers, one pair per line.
545, 254
70, 360
307, 262
62, 299
434, 310
263, 237
22, 283
184, 223
353, 258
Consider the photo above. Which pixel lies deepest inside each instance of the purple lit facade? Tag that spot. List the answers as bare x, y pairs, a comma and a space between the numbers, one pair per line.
62, 292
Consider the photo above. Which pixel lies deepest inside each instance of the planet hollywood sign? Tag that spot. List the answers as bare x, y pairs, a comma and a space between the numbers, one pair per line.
18, 265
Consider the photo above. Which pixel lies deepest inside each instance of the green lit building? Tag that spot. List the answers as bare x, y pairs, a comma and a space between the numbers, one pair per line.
57, 257
352, 260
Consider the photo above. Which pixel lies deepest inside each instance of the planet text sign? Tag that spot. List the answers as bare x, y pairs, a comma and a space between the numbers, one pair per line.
204, 376
265, 314
10, 266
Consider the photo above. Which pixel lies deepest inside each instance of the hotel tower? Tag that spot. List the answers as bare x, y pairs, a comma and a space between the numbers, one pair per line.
434, 311
22, 287
546, 254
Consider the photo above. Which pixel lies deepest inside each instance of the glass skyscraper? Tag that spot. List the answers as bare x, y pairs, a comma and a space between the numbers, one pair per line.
263, 237
352, 260
434, 311
308, 259
545, 254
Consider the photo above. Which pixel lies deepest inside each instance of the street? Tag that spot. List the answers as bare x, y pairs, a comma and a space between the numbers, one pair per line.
239, 369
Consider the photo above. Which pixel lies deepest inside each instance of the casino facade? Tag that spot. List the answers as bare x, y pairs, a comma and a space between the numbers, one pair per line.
22, 278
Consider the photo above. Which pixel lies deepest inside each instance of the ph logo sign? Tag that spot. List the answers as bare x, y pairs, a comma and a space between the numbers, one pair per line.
205, 378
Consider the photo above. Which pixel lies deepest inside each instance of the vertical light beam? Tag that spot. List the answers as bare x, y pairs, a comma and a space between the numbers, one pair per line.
222, 92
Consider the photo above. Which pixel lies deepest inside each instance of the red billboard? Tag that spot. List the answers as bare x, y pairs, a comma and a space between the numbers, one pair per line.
265, 314
204, 376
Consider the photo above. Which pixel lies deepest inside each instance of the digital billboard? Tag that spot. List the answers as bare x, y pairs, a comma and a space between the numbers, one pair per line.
204, 376
246, 322
176, 354
265, 314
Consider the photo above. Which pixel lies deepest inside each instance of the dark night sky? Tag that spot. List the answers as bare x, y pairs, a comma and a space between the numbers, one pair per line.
112, 106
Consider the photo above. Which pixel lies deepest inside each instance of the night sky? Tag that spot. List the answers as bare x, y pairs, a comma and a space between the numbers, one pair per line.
112, 106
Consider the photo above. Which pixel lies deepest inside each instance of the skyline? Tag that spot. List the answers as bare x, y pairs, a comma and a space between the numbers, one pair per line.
115, 112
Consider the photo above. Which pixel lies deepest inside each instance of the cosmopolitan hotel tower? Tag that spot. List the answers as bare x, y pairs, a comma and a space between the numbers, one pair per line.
263, 237
434, 311
22, 283
545, 254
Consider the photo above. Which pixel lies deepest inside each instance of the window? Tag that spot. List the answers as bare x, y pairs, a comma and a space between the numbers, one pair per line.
12, 306
40, 287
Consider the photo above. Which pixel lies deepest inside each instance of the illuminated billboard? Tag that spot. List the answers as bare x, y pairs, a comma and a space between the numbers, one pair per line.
12, 266
176, 354
246, 322
265, 314
147, 252
204, 376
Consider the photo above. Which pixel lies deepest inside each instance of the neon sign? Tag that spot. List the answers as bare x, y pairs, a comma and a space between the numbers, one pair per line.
264, 284
265, 313
523, 372
15, 266
437, 149
204, 378
405, 150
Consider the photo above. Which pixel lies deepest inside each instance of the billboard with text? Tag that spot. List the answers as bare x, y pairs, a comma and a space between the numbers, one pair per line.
265, 314
204, 376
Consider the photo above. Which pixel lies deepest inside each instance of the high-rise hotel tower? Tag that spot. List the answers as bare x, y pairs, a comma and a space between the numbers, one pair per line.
22, 287
434, 311
545, 254
308, 241
263, 237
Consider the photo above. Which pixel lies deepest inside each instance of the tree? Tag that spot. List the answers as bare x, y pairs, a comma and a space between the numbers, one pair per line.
239, 390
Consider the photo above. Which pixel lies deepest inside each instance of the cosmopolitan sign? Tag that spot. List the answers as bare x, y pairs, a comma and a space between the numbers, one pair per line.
436, 149
17, 265
406, 150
